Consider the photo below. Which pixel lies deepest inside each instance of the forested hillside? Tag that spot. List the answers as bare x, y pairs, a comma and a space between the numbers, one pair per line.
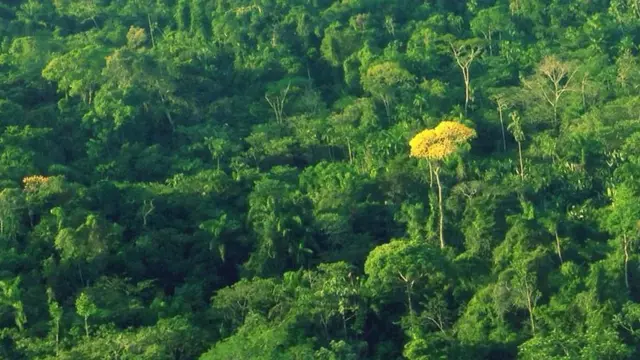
319, 179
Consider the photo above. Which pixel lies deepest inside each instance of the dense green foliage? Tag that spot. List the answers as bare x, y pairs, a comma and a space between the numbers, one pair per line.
231, 179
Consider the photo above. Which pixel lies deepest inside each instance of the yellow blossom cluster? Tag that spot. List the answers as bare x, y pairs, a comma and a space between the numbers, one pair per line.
438, 143
31, 183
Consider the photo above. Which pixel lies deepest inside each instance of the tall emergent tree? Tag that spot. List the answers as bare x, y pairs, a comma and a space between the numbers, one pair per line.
623, 221
437, 144
384, 80
465, 52
516, 129
553, 78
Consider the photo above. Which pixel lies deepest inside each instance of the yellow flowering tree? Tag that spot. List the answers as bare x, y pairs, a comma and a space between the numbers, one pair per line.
32, 183
437, 144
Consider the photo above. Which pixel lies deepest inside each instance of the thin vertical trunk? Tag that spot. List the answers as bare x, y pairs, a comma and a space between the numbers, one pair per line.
409, 299
325, 327
57, 337
344, 324
86, 326
584, 97
504, 138
530, 306
440, 207
387, 107
153, 41
466, 100
521, 163
80, 273
148, 212
409, 289
467, 85
625, 245
558, 246
490, 44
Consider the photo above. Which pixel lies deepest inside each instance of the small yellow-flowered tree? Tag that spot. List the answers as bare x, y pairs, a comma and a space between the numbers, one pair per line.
437, 144
32, 183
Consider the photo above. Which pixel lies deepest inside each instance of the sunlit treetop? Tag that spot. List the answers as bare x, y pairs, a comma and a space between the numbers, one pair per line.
31, 183
438, 143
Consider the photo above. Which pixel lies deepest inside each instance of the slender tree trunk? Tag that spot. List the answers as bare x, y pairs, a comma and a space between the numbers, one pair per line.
530, 306
57, 337
387, 107
584, 97
86, 326
490, 44
558, 246
625, 245
466, 100
504, 138
409, 299
440, 207
170, 118
149, 211
153, 42
325, 327
521, 163
81, 277
344, 324
467, 90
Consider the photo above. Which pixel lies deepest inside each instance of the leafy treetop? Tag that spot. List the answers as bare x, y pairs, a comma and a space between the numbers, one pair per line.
440, 142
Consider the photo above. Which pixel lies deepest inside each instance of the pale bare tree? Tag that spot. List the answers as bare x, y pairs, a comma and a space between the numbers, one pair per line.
390, 25
502, 104
518, 134
527, 294
147, 209
465, 52
628, 71
277, 102
520, 288
552, 80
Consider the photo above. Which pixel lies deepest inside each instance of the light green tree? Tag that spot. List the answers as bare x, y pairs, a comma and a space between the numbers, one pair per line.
86, 307
385, 80
10, 295
518, 134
